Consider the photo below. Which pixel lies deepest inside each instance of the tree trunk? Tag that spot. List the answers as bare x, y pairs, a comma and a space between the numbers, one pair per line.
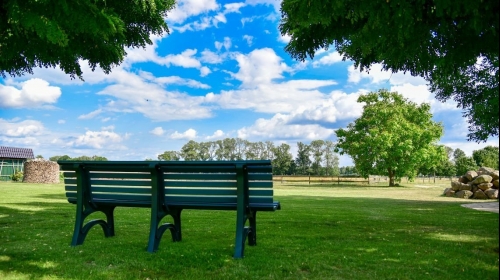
391, 178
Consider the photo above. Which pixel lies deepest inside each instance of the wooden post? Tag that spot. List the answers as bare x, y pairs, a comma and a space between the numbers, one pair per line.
309, 179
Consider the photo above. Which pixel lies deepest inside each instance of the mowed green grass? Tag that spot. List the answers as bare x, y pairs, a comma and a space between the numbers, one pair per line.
322, 232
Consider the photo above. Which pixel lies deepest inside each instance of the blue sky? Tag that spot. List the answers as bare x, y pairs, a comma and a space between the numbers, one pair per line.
222, 72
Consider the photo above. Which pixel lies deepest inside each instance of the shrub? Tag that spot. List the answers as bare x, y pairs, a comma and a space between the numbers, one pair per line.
17, 176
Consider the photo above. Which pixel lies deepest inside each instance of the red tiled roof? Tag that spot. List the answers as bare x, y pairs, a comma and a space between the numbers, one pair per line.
11, 152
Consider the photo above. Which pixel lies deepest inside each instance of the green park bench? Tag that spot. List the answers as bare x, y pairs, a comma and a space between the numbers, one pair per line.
168, 187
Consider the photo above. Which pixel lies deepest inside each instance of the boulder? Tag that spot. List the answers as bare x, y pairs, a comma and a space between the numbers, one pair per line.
486, 170
470, 175
463, 194
482, 179
485, 186
465, 187
455, 185
480, 195
495, 184
474, 188
494, 175
449, 192
463, 179
492, 193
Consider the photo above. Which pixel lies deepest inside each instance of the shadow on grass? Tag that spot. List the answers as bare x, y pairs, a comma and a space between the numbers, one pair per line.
313, 237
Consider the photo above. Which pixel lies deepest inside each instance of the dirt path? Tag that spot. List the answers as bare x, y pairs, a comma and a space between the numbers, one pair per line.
484, 206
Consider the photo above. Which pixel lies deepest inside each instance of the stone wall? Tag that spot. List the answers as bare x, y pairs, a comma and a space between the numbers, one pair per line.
481, 184
41, 171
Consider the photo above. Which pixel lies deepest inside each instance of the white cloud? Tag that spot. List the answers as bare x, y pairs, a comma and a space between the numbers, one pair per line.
173, 80
284, 38
61, 121
279, 128
16, 128
421, 94
226, 44
329, 59
33, 93
219, 134
261, 66
233, 7
158, 131
208, 56
248, 39
186, 135
275, 3
204, 71
189, 8
97, 139
90, 115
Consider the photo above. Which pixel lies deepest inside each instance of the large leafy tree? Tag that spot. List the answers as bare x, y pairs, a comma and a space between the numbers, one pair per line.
282, 159
47, 33
486, 157
393, 137
454, 45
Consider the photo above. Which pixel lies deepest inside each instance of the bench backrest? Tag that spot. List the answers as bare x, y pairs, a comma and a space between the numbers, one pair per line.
207, 183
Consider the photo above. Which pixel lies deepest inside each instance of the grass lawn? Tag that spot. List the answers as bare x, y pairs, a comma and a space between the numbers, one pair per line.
322, 232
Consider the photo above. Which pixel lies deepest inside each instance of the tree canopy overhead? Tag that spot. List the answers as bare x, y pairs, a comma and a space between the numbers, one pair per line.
393, 137
49, 33
454, 45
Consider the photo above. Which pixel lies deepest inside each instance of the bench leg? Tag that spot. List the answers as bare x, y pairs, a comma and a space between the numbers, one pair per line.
80, 232
157, 231
252, 234
241, 236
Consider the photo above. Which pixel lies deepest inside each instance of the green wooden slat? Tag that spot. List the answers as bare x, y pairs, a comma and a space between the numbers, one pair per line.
71, 181
260, 169
212, 199
260, 176
260, 184
120, 183
121, 197
199, 184
120, 190
214, 192
120, 175
70, 188
199, 176
71, 194
199, 169
69, 174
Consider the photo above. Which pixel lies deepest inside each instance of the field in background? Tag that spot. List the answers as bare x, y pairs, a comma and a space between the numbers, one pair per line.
346, 180
322, 232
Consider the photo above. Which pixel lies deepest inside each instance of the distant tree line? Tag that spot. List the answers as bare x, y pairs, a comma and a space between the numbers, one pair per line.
317, 158
457, 163
80, 158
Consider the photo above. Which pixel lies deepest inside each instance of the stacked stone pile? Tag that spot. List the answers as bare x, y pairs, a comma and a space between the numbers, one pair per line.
481, 184
41, 171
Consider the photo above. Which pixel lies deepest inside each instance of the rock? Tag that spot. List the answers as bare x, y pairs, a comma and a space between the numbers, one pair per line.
485, 186
455, 185
474, 188
464, 180
449, 192
470, 175
486, 170
465, 187
482, 179
492, 193
480, 195
495, 184
463, 194
494, 175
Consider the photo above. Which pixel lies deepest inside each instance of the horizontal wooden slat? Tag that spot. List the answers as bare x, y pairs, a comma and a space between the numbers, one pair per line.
260, 169
70, 188
260, 184
199, 176
197, 184
69, 174
214, 192
260, 176
120, 190
121, 196
120, 175
212, 199
199, 169
120, 183
70, 181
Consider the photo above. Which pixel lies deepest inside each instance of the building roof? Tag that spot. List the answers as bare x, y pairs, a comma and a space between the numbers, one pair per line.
11, 152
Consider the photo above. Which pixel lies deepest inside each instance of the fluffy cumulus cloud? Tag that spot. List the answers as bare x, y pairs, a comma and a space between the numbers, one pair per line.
260, 66
158, 131
31, 93
186, 135
219, 134
329, 59
98, 140
280, 128
17, 128
189, 8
